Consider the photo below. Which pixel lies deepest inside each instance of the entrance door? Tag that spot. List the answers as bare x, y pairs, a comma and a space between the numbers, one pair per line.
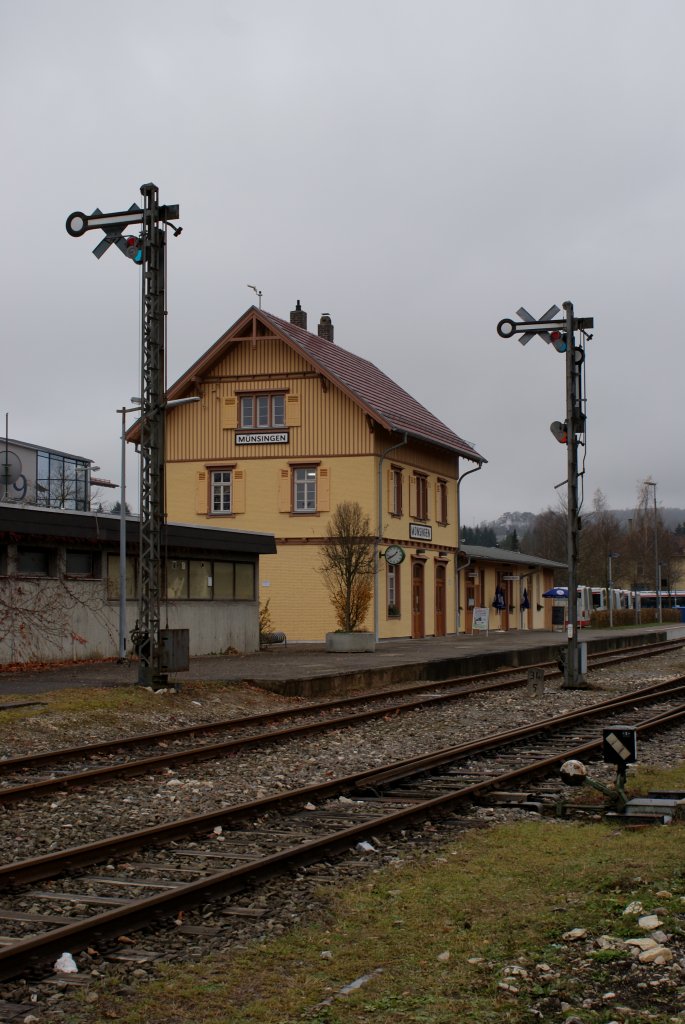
505, 587
440, 618
474, 595
470, 605
417, 603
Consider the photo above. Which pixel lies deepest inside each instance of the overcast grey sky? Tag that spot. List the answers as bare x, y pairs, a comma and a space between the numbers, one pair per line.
417, 170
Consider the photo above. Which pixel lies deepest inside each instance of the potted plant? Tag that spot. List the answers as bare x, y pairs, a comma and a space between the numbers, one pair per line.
347, 567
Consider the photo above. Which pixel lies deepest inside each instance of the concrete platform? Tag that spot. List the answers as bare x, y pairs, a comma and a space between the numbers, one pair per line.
308, 670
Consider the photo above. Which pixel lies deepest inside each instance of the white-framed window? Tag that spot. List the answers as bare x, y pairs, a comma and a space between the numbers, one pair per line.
393, 590
222, 491
304, 489
262, 411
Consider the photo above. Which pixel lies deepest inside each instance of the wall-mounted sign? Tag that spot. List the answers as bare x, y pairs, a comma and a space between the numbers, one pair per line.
281, 438
417, 531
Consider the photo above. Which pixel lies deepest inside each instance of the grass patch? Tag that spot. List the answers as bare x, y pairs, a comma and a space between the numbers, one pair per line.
505, 896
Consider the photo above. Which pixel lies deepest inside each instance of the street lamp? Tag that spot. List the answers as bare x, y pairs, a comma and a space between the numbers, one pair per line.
657, 565
610, 587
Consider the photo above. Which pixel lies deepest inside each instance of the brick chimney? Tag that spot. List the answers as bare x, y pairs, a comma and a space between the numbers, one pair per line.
325, 330
298, 317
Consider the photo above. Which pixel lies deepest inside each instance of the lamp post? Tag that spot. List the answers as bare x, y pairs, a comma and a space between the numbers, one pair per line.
610, 587
657, 566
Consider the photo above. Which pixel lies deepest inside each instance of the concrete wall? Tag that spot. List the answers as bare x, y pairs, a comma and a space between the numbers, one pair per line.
49, 619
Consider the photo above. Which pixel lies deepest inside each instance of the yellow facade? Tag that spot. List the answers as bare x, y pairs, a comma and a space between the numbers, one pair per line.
327, 442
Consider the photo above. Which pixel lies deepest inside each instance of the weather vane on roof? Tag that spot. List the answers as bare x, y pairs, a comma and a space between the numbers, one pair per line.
258, 293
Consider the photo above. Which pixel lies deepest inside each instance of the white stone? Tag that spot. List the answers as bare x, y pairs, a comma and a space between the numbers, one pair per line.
634, 908
657, 955
649, 922
444, 956
642, 943
575, 934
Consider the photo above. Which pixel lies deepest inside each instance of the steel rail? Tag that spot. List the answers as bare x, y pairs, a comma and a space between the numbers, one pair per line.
139, 739
139, 766
141, 912
50, 864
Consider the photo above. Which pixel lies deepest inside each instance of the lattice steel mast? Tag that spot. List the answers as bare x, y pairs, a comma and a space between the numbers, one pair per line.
149, 251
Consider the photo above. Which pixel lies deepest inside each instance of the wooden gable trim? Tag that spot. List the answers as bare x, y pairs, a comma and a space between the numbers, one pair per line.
245, 328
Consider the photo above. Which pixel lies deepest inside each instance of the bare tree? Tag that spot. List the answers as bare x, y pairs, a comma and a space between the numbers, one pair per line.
347, 564
547, 537
601, 536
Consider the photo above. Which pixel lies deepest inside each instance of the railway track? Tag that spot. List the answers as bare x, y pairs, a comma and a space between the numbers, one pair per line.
73, 766
101, 890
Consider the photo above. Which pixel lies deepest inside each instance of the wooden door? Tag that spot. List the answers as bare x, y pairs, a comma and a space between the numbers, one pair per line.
440, 597
470, 605
418, 628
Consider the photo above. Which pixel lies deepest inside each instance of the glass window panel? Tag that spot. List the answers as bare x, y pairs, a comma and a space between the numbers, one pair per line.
176, 580
43, 465
244, 581
221, 490
113, 578
246, 412
80, 563
305, 490
223, 581
262, 410
201, 580
33, 561
278, 411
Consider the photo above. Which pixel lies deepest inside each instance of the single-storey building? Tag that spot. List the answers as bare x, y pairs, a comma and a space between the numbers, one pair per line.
59, 584
507, 584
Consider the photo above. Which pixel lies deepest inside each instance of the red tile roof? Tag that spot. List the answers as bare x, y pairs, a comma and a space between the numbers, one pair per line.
377, 394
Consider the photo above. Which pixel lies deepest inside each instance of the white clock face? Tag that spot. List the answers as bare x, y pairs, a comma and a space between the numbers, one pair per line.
394, 555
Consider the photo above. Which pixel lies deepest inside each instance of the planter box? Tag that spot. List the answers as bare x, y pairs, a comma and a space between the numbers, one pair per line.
350, 643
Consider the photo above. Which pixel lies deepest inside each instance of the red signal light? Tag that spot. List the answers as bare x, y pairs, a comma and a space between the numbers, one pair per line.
558, 339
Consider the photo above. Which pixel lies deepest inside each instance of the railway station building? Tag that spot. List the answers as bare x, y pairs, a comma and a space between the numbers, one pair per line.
289, 425
508, 585
59, 584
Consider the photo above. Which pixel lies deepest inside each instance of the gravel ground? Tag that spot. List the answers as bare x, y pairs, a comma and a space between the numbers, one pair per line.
71, 818
37, 827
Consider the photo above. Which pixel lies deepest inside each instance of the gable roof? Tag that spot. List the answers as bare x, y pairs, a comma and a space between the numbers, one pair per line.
378, 395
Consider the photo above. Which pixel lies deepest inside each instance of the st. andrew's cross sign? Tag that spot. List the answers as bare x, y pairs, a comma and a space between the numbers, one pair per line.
547, 327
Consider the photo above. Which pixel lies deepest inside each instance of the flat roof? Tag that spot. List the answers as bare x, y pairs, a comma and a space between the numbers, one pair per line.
7, 441
102, 528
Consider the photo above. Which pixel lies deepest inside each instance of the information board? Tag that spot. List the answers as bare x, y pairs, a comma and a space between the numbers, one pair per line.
480, 619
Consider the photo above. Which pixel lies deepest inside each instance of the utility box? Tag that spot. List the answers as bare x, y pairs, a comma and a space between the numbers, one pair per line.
174, 650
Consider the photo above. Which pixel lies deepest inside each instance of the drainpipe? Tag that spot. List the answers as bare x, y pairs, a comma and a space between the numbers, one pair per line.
457, 567
379, 535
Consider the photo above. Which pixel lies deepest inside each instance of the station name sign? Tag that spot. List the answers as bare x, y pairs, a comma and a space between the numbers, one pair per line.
281, 438
417, 531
